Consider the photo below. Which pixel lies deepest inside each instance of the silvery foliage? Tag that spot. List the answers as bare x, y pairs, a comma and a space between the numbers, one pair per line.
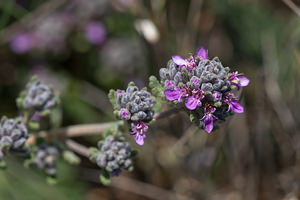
45, 159
39, 97
134, 104
209, 76
114, 154
13, 134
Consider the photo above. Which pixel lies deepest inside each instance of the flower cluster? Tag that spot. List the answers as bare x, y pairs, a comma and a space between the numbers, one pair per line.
13, 134
135, 107
45, 158
114, 155
204, 86
38, 96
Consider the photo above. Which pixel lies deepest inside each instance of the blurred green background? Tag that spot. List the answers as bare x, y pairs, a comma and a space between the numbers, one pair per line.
85, 48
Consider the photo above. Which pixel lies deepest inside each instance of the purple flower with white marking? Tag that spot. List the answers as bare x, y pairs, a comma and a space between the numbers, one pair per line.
202, 53
95, 32
194, 101
238, 80
232, 102
189, 64
208, 119
139, 132
177, 93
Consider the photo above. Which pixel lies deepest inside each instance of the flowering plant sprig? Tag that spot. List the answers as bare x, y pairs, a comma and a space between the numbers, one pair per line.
112, 154
135, 107
202, 85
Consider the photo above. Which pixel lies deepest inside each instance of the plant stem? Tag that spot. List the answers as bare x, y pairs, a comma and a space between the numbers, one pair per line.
88, 129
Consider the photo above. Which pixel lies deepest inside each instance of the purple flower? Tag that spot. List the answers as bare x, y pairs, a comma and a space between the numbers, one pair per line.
125, 114
22, 43
95, 32
184, 62
169, 84
176, 93
139, 133
238, 80
194, 101
202, 53
232, 103
119, 92
208, 118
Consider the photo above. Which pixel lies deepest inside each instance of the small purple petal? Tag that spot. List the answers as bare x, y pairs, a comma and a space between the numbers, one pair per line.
243, 81
236, 107
208, 124
133, 132
139, 139
178, 60
202, 53
172, 95
191, 103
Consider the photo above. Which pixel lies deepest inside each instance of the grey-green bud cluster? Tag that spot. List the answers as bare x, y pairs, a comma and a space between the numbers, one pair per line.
209, 76
114, 154
134, 104
13, 133
39, 97
45, 159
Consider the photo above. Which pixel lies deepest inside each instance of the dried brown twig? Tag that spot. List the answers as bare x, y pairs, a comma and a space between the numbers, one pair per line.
292, 6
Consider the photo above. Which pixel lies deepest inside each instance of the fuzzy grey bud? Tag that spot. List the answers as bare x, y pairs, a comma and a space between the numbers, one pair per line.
13, 133
45, 159
114, 155
39, 97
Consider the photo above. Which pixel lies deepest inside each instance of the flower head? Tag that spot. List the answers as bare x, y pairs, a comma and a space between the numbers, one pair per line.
208, 118
139, 132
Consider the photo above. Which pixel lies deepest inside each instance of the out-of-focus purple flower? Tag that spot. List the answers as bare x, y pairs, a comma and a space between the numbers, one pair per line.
22, 43
232, 103
176, 93
238, 80
36, 117
194, 101
139, 132
95, 32
202, 53
208, 118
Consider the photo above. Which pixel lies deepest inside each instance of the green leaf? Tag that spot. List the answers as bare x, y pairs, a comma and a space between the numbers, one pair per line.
71, 157
111, 97
34, 125
51, 180
2, 164
105, 177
